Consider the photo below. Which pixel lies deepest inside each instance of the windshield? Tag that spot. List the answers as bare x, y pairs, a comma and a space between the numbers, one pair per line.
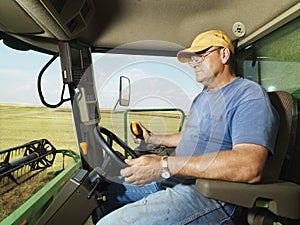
162, 90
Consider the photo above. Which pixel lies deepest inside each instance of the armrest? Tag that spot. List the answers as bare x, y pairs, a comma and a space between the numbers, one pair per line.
283, 197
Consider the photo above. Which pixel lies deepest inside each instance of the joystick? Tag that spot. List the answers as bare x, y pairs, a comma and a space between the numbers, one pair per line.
136, 130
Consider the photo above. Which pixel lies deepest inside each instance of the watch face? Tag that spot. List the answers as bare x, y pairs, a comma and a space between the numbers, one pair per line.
165, 174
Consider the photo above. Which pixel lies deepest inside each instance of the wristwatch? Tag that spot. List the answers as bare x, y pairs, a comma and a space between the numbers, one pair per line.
165, 170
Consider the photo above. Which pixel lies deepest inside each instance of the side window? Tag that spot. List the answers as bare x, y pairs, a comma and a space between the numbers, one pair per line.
274, 61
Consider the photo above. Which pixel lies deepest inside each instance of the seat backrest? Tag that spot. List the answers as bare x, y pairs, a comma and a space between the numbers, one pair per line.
290, 170
286, 107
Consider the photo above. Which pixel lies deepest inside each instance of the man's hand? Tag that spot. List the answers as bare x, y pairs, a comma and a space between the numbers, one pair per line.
142, 170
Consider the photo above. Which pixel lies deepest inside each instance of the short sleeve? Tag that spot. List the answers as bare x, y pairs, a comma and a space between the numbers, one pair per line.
256, 122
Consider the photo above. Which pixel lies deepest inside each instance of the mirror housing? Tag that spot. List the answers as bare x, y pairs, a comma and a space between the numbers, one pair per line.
124, 91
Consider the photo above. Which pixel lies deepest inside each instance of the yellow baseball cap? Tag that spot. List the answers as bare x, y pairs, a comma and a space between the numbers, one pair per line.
203, 41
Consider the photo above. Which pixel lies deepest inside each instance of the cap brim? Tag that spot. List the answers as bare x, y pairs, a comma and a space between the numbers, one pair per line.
186, 54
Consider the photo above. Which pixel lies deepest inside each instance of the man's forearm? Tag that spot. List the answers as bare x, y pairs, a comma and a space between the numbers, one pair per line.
243, 165
169, 140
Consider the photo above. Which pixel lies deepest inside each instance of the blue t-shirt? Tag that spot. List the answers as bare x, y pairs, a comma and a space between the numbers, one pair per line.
240, 112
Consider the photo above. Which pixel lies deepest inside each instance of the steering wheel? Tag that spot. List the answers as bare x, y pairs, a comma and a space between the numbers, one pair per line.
107, 145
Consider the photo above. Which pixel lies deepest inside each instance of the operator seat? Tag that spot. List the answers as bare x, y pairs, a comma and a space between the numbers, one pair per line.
275, 199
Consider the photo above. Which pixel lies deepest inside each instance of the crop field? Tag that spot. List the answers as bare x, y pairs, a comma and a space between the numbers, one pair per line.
22, 124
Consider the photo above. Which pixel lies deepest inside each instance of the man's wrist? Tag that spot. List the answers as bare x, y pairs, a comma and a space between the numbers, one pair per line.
149, 139
155, 139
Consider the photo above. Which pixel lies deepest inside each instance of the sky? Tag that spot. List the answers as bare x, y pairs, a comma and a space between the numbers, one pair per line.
154, 80
18, 74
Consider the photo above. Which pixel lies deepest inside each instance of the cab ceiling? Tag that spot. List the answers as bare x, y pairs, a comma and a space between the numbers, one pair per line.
114, 23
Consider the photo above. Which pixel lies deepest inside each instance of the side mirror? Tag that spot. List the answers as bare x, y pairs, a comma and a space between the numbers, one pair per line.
124, 91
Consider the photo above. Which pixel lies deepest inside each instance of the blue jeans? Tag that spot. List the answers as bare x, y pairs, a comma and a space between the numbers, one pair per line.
149, 204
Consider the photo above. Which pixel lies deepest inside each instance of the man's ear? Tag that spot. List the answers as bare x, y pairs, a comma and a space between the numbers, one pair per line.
225, 53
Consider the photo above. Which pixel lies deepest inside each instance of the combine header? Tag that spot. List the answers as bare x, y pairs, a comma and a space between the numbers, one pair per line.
21, 163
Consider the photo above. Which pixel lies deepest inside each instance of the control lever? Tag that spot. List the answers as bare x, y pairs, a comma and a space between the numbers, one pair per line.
91, 193
148, 148
97, 182
136, 130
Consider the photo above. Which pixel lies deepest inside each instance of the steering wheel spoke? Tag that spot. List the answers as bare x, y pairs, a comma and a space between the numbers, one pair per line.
109, 140
107, 145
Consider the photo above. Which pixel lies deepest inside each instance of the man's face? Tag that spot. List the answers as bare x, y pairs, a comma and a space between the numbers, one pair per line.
206, 65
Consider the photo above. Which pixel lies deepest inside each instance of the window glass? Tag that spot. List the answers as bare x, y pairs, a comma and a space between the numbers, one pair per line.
162, 90
274, 61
